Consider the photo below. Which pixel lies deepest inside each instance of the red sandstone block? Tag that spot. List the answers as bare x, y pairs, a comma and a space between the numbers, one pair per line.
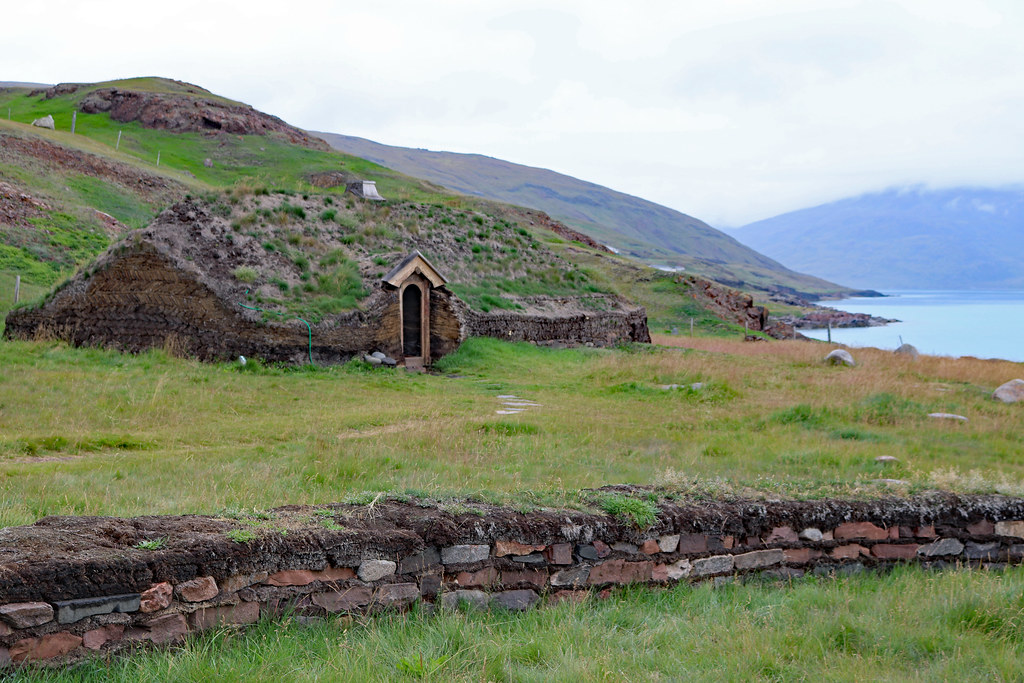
926, 531
860, 530
157, 597
537, 579
237, 582
163, 629
982, 528
894, 533
198, 590
800, 555
849, 552
650, 547
503, 548
98, 637
45, 647
782, 534
659, 573
602, 548
26, 614
483, 577
892, 551
621, 572
690, 544
728, 542
344, 600
210, 617
304, 577
559, 553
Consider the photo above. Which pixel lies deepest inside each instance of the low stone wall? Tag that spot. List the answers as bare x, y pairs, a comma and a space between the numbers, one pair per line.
75, 586
564, 322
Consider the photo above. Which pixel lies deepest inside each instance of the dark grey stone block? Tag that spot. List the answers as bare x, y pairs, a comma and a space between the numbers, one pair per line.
70, 611
515, 600
421, 561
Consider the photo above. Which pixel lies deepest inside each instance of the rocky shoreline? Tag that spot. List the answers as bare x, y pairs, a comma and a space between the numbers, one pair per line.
824, 316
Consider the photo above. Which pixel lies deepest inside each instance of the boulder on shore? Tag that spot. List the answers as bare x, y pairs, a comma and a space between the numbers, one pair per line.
840, 357
1010, 392
908, 350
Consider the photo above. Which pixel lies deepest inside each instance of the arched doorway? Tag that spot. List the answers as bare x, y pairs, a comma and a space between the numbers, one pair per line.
412, 321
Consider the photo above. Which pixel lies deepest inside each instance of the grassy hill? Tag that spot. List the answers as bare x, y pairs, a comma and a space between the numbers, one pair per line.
636, 227
911, 238
64, 198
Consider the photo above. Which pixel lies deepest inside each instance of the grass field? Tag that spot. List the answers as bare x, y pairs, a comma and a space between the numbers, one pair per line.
87, 431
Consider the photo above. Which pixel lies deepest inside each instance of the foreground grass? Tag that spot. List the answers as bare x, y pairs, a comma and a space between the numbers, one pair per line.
87, 431
908, 625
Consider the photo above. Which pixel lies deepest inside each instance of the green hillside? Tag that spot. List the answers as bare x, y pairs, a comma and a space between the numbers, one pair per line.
644, 230
85, 190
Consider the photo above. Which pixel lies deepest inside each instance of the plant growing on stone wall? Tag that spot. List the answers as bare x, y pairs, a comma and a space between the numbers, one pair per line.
152, 544
241, 535
643, 512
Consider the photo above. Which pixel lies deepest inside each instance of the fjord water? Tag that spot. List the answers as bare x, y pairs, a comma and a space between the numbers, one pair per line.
987, 324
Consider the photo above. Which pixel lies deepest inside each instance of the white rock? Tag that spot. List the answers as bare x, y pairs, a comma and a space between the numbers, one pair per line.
811, 534
373, 570
947, 416
1011, 392
668, 543
44, 122
883, 459
840, 357
679, 570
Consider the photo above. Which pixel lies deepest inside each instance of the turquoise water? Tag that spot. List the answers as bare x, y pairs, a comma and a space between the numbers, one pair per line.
943, 323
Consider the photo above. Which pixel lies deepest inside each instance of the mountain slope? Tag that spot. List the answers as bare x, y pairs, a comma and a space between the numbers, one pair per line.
911, 238
634, 226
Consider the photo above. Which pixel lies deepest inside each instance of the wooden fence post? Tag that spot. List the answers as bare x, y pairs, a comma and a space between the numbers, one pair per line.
17, 287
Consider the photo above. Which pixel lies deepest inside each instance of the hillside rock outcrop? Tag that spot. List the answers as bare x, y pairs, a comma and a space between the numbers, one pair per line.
185, 113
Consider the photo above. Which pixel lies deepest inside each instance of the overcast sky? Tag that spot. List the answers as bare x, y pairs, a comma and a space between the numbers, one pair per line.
729, 110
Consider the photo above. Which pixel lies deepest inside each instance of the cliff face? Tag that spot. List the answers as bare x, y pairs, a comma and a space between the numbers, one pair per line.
185, 112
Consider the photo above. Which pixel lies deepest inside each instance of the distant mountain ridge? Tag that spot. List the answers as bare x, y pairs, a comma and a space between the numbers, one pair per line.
634, 226
904, 238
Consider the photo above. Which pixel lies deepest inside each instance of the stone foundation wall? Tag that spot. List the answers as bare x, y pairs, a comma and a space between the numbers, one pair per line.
77, 586
621, 323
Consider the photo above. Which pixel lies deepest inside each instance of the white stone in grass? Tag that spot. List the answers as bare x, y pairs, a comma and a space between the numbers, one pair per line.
948, 416
885, 459
840, 357
1010, 392
509, 412
241, 360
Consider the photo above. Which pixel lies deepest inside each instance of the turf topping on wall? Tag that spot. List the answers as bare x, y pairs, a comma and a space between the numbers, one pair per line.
75, 586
